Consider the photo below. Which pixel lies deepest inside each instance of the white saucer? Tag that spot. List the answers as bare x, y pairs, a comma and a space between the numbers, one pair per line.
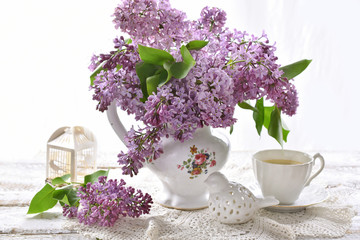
311, 195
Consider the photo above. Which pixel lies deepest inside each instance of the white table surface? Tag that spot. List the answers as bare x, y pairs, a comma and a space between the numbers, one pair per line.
20, 180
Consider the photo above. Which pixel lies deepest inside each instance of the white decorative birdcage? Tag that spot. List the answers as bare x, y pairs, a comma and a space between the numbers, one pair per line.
71, 150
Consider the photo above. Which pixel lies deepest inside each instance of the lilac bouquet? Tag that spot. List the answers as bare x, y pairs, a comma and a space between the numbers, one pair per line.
177, 75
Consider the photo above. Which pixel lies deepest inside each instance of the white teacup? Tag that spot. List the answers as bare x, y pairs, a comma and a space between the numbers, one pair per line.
284, 173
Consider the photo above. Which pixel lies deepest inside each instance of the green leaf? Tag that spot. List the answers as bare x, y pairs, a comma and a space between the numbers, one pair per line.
145, 70
285, 131
66, 195
275, 126
258, 115
60, 195
94, 74
60, 180
267, 115
154, 56
94, 176
118, 67
167, 67
187, 58
42, 200
258, 112
154, 81
246, 105
231, 129
65, 200
270, 118
180, 70
294, 69
196, 44
72, 197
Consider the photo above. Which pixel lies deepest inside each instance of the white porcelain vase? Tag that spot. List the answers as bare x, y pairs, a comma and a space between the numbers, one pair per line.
183, 167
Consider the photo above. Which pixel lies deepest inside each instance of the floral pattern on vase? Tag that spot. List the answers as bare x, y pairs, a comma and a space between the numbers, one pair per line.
198, 162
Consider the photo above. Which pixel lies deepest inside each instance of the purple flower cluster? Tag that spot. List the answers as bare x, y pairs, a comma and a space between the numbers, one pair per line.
212, 19
103, 202
70, 212
232, 68
142, 144
117, 79
152, 23
255, 71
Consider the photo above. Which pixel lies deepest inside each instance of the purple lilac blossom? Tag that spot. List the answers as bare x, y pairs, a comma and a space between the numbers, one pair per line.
212, 19
143, 144
103, 202
121, 84
232, 68
152, 23
70, 212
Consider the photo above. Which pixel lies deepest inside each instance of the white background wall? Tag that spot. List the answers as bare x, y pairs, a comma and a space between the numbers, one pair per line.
45, 49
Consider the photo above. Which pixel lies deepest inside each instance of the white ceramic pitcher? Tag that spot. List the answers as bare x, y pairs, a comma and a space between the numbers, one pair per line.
183, 167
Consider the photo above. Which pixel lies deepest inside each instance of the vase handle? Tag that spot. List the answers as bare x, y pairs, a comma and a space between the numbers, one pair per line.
115, 122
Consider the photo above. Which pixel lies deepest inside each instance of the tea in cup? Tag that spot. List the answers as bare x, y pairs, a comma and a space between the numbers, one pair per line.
284, 173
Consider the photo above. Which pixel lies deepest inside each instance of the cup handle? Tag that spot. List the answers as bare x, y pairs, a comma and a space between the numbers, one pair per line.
322, 162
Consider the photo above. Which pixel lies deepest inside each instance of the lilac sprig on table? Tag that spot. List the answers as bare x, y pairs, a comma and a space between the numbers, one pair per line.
177, 75
104, 201
97, 201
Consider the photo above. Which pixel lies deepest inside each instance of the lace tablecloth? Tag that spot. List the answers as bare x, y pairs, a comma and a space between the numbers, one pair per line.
330, 219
